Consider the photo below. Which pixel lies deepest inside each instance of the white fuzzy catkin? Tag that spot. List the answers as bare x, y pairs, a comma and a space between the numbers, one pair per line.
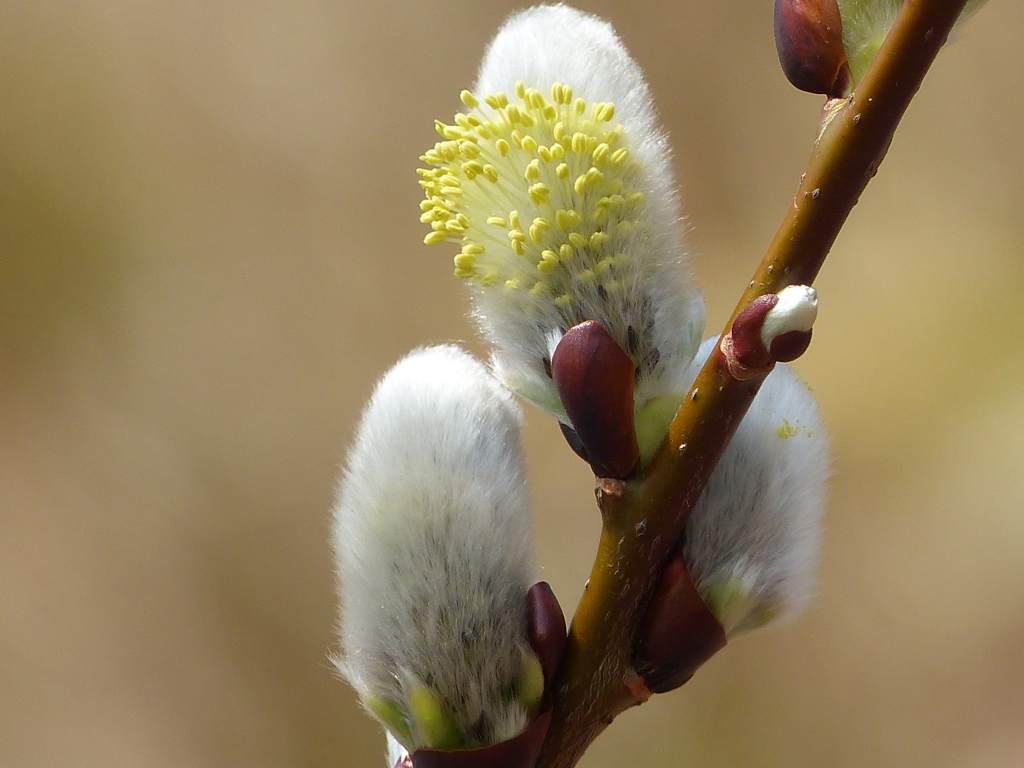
753, 541
431, 532
568, 206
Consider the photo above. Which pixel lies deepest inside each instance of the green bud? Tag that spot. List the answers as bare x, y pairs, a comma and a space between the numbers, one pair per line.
434, 727
530, 684
652, 421
391, 715
734, 605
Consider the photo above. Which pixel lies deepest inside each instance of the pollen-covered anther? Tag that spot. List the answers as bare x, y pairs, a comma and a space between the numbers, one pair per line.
774, 328
561, 165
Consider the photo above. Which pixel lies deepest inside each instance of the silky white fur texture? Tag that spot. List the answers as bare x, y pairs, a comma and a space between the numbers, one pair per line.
431, 533
659, 318
796, 311
753, 541
396, 752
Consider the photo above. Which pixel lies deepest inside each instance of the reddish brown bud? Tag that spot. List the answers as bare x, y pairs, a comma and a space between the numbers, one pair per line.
774, 328
747, 345
787, 347
546, 626
679, 632
519, 752
574, 441
809, 39
595, 377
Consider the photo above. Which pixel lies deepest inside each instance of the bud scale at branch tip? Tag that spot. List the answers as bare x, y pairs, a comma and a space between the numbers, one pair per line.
556, 181
431, 533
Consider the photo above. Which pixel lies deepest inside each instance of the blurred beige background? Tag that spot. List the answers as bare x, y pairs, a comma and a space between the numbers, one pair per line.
209, 250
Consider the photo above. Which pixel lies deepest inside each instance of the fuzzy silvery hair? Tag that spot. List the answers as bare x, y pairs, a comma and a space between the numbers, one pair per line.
432, 537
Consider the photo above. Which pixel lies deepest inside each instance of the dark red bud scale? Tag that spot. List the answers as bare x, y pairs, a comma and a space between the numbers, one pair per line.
519, 752
546, 627
781, 321
809, 39
574, 441
787, 347
679, 632
747, 345
595, 377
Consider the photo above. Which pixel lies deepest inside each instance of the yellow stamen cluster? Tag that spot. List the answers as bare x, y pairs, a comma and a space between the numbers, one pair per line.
541, 195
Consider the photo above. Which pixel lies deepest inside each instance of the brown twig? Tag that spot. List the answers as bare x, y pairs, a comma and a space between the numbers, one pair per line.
643, 518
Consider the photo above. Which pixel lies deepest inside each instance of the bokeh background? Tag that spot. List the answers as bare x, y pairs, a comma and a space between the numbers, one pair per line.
209, 251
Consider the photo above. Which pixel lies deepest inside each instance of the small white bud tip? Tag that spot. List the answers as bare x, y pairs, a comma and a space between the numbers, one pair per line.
796, 310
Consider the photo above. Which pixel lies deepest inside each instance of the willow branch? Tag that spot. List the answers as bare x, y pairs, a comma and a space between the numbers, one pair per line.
643, 518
